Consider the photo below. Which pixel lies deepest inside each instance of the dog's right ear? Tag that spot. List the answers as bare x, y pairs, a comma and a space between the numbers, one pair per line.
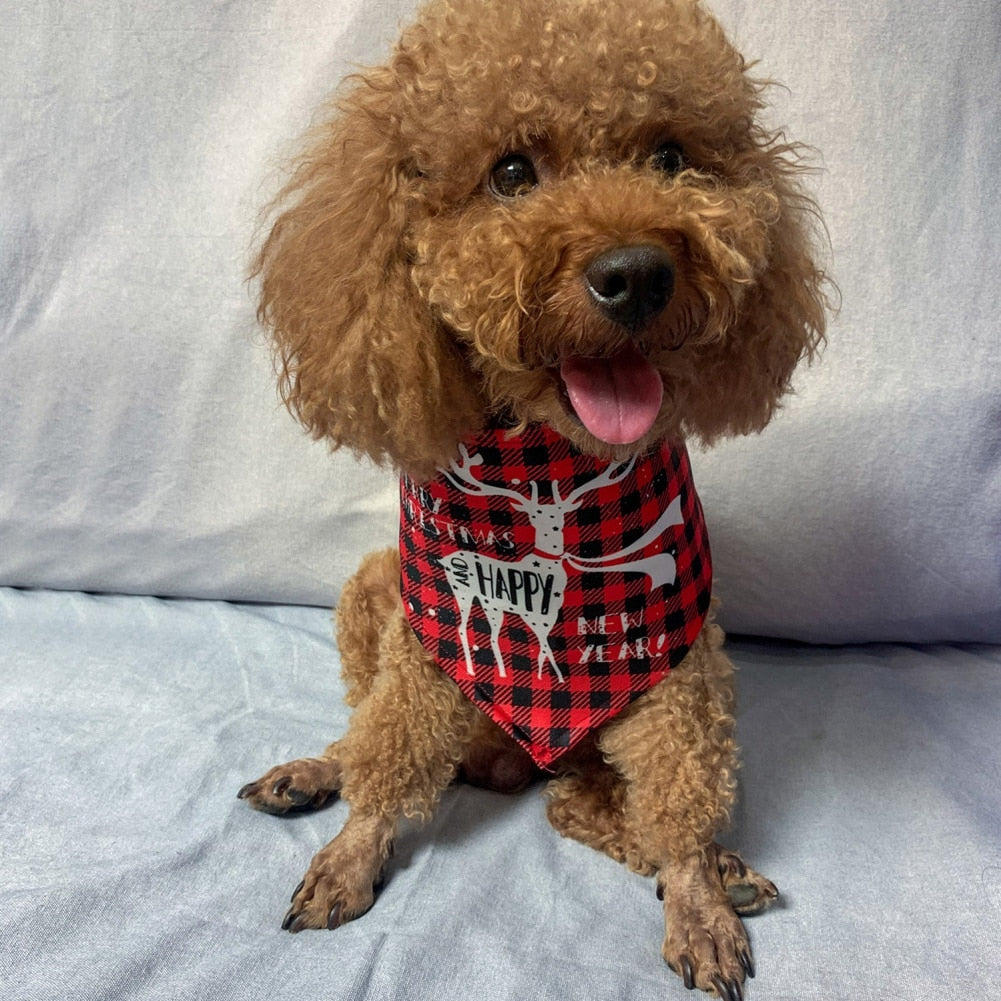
362, 361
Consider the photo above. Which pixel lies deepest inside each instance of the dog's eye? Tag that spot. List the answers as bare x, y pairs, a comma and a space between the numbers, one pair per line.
513, 176
668, 159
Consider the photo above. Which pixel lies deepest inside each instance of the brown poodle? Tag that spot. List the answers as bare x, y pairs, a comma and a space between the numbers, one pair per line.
560, 216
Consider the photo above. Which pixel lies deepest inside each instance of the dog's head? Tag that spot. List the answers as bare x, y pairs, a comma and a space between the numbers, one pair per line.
563, 212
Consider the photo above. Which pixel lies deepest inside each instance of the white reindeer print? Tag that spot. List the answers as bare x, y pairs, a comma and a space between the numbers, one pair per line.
532, 588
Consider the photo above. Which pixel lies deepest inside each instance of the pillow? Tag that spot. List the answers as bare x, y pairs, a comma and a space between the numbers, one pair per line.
871, 508
143, 448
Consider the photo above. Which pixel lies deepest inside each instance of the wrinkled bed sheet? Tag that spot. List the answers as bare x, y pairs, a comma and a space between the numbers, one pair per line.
143, 450
130, 869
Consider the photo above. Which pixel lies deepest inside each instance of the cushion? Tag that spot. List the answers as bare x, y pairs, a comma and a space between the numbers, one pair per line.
143, 448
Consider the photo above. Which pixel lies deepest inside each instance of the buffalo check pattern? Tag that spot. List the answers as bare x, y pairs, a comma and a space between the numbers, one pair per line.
554, 588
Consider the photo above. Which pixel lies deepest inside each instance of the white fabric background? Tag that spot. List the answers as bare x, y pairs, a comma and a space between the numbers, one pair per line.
872, 508
141, 445
142, 449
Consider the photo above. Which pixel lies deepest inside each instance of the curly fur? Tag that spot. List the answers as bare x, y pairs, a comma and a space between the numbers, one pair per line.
408, 304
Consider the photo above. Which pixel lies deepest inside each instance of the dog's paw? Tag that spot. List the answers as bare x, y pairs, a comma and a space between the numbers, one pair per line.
342, 880
705, 942
327, 900
709, 951
749, 891
306, 784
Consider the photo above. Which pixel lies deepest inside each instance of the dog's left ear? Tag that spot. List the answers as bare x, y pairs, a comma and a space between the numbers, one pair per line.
363, 363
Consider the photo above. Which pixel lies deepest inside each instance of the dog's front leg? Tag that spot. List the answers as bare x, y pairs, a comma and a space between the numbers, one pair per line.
403, 747
675, 750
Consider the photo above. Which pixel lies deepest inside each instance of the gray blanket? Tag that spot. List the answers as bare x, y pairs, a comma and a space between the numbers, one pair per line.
130, 869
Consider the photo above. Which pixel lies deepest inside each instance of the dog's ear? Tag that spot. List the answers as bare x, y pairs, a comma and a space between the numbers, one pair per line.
780, 323
362, 361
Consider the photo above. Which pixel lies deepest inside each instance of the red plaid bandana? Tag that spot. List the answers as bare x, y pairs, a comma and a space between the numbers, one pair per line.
553, 587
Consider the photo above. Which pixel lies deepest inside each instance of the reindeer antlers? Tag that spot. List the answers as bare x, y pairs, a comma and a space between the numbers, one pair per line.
612, 474
466, 461
460, 475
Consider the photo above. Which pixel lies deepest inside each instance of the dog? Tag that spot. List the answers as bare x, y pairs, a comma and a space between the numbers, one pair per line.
524, 262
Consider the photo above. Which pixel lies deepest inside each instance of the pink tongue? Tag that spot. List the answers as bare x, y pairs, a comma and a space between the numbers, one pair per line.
617, 399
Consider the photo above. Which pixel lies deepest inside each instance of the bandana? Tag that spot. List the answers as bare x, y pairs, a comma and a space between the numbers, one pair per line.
552, 587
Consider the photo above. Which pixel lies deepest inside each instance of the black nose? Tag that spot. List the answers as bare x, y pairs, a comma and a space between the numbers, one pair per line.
631, 285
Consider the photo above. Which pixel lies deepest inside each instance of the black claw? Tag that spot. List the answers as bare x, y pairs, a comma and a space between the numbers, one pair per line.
290, 915
660, 891
247, 791
297, 797
747, 961
732, 862
281, 785
295, 892
334, 917
687, 973
728, 990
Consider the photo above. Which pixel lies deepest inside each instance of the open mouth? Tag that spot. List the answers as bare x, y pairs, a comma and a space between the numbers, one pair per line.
618, 398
